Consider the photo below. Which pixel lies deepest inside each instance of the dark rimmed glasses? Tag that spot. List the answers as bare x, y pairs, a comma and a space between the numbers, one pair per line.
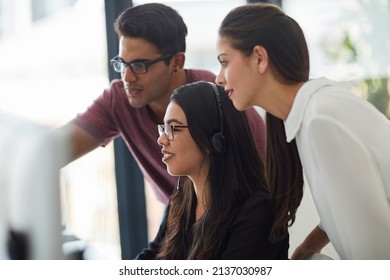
169, 129
137, 67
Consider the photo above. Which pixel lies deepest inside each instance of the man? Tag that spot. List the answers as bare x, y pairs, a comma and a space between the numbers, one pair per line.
151, 62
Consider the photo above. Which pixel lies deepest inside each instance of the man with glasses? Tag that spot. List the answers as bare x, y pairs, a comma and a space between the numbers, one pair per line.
151, 62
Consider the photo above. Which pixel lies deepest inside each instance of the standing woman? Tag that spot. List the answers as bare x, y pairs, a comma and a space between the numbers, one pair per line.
341, 141
221, 209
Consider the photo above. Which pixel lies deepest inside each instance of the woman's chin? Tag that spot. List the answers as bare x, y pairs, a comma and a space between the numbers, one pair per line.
239, 106
172, 171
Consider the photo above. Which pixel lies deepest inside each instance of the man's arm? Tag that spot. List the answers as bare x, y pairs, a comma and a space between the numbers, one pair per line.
81, 141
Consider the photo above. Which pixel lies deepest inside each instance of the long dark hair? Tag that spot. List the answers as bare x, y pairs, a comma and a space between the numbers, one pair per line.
268, 26
233, 175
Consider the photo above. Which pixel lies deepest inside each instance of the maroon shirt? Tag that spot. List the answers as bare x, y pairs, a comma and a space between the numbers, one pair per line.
111, 115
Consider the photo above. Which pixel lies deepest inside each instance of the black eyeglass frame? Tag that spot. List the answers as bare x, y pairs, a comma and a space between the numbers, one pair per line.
162, 129
145, 64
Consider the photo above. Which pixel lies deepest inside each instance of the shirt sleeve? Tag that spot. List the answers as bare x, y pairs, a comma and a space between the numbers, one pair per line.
348, 190
98, 120
249, 235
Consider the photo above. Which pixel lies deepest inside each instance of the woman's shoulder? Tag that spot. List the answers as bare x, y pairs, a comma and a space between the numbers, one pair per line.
257, 204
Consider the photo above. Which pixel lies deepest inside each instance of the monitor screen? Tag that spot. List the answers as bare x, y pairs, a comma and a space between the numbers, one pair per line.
31, 157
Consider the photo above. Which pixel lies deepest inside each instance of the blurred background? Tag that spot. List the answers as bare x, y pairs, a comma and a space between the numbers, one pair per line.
54, 58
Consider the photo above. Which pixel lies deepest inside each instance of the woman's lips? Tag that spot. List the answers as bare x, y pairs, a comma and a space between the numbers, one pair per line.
166, 156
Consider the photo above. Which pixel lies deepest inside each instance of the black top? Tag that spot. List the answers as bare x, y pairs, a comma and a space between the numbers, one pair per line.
247, 237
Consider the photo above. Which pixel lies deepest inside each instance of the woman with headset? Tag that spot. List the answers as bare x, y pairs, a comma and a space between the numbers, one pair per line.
221, 209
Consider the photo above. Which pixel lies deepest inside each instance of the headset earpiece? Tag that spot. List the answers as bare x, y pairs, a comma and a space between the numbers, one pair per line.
218, 141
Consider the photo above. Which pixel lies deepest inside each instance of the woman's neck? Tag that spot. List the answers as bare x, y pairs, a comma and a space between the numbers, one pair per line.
201, 189
280, 101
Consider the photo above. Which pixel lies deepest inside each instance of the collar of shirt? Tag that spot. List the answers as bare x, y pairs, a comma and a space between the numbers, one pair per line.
294, 119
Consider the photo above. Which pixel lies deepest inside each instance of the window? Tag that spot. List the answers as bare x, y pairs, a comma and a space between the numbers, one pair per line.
349, 41
43, 8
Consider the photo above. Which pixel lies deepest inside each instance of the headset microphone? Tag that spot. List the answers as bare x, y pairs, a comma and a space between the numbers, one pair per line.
178, 187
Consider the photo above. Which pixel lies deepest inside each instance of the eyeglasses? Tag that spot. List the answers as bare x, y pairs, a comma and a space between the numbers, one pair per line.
169, 130
138, 67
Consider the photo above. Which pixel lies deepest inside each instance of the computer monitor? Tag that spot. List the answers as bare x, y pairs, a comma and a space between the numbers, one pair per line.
31, 157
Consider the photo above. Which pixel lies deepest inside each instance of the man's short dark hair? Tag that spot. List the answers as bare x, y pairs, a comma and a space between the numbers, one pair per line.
157, 23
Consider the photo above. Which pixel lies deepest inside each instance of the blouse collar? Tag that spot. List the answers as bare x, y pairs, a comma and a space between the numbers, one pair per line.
295, 118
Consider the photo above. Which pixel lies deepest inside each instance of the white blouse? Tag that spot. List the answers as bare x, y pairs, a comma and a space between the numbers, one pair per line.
344, 145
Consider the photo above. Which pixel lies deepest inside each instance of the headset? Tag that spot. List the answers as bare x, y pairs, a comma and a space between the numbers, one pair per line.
218, 139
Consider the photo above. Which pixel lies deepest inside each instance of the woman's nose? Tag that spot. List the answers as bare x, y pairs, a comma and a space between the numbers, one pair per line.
219, 79
162, 140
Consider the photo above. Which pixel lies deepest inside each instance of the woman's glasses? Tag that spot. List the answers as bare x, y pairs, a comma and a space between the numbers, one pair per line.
169, 130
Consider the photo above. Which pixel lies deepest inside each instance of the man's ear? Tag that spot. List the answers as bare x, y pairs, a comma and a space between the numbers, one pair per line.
178, 61
261, 56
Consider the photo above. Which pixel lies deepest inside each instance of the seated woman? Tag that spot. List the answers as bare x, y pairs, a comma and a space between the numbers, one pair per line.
221, 209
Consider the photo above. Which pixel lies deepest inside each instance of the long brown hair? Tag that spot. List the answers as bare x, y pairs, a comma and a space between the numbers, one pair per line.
267, 25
